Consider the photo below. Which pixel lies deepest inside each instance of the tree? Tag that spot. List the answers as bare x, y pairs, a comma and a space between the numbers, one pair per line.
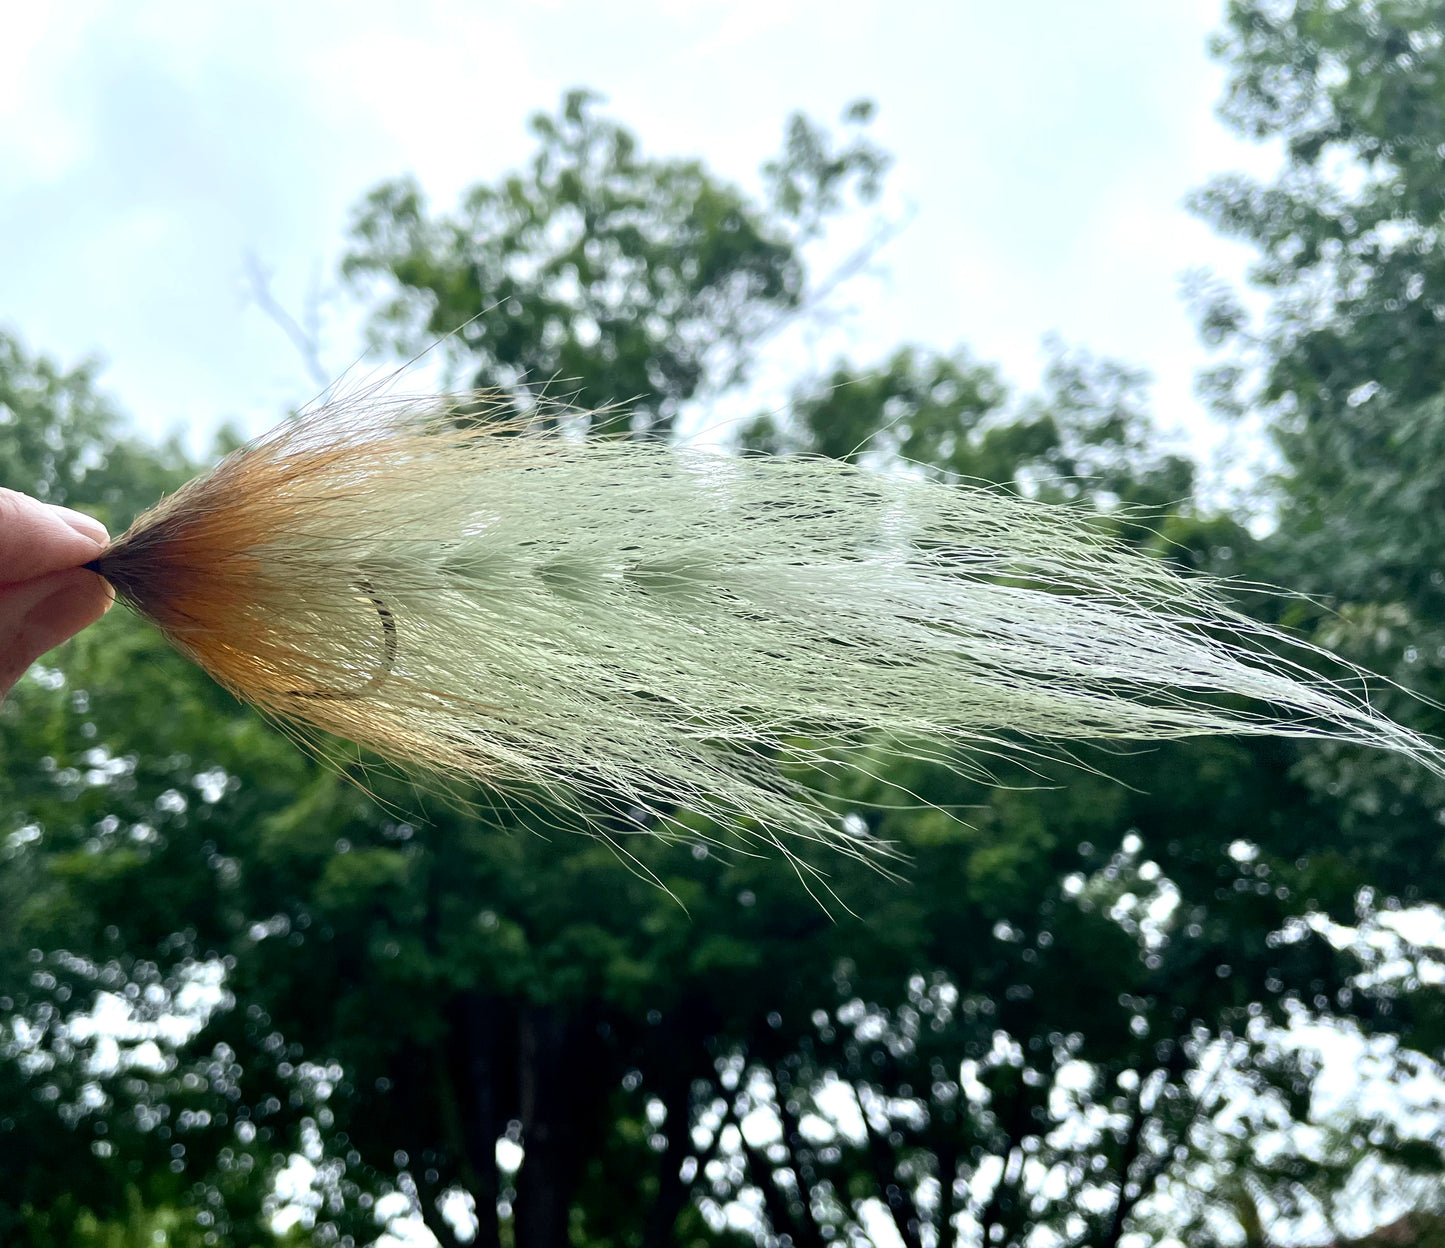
603, 276
453, 977
1348, 364
1102, 947
85, 1135
1088, 438
1013, 1043
60, 441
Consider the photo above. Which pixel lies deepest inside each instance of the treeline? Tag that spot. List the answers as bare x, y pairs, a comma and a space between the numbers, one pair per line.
1068, 1022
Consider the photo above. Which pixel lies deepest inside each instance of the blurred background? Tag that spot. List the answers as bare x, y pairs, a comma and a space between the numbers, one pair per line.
1185, 258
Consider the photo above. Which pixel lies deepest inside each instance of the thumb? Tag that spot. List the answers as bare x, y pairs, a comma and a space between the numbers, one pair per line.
37, 615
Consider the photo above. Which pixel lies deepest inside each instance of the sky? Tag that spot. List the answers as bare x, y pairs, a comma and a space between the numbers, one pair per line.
1043, 153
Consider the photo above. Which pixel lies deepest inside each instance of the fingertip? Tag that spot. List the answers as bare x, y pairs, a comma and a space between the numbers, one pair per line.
86, 526
107, 590
38, 538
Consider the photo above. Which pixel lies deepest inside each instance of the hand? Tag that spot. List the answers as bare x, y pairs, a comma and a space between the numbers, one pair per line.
45, 594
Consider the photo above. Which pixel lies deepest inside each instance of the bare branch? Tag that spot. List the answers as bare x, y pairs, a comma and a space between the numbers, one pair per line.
306, 339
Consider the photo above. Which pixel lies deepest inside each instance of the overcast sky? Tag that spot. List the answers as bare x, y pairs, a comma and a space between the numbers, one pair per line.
1043, 151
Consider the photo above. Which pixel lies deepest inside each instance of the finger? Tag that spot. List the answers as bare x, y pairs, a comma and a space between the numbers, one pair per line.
37, 615
36, 538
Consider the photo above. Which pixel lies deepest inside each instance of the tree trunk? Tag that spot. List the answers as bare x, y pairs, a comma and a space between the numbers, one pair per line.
672, 1192
544, 1184
486, 1072
947, 1156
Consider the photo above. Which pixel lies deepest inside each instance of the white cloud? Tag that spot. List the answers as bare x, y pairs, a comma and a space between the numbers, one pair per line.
149, 149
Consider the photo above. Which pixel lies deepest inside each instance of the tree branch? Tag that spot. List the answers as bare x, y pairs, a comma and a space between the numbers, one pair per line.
899, 1203
1013, 1134
432, 1219
476, 1018
304, 339
1127, 1158
794, 1142
671, 1190
947, 1159
775, 1204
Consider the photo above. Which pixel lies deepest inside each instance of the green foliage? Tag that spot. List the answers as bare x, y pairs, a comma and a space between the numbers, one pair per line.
218, 954
1088, 437
62, 442
601, 276
1351, 358
1350, 239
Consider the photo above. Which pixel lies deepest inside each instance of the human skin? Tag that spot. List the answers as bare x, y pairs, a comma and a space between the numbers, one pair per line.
46, 595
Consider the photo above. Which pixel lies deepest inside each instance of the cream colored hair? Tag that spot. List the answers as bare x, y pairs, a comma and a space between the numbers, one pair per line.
663, 629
